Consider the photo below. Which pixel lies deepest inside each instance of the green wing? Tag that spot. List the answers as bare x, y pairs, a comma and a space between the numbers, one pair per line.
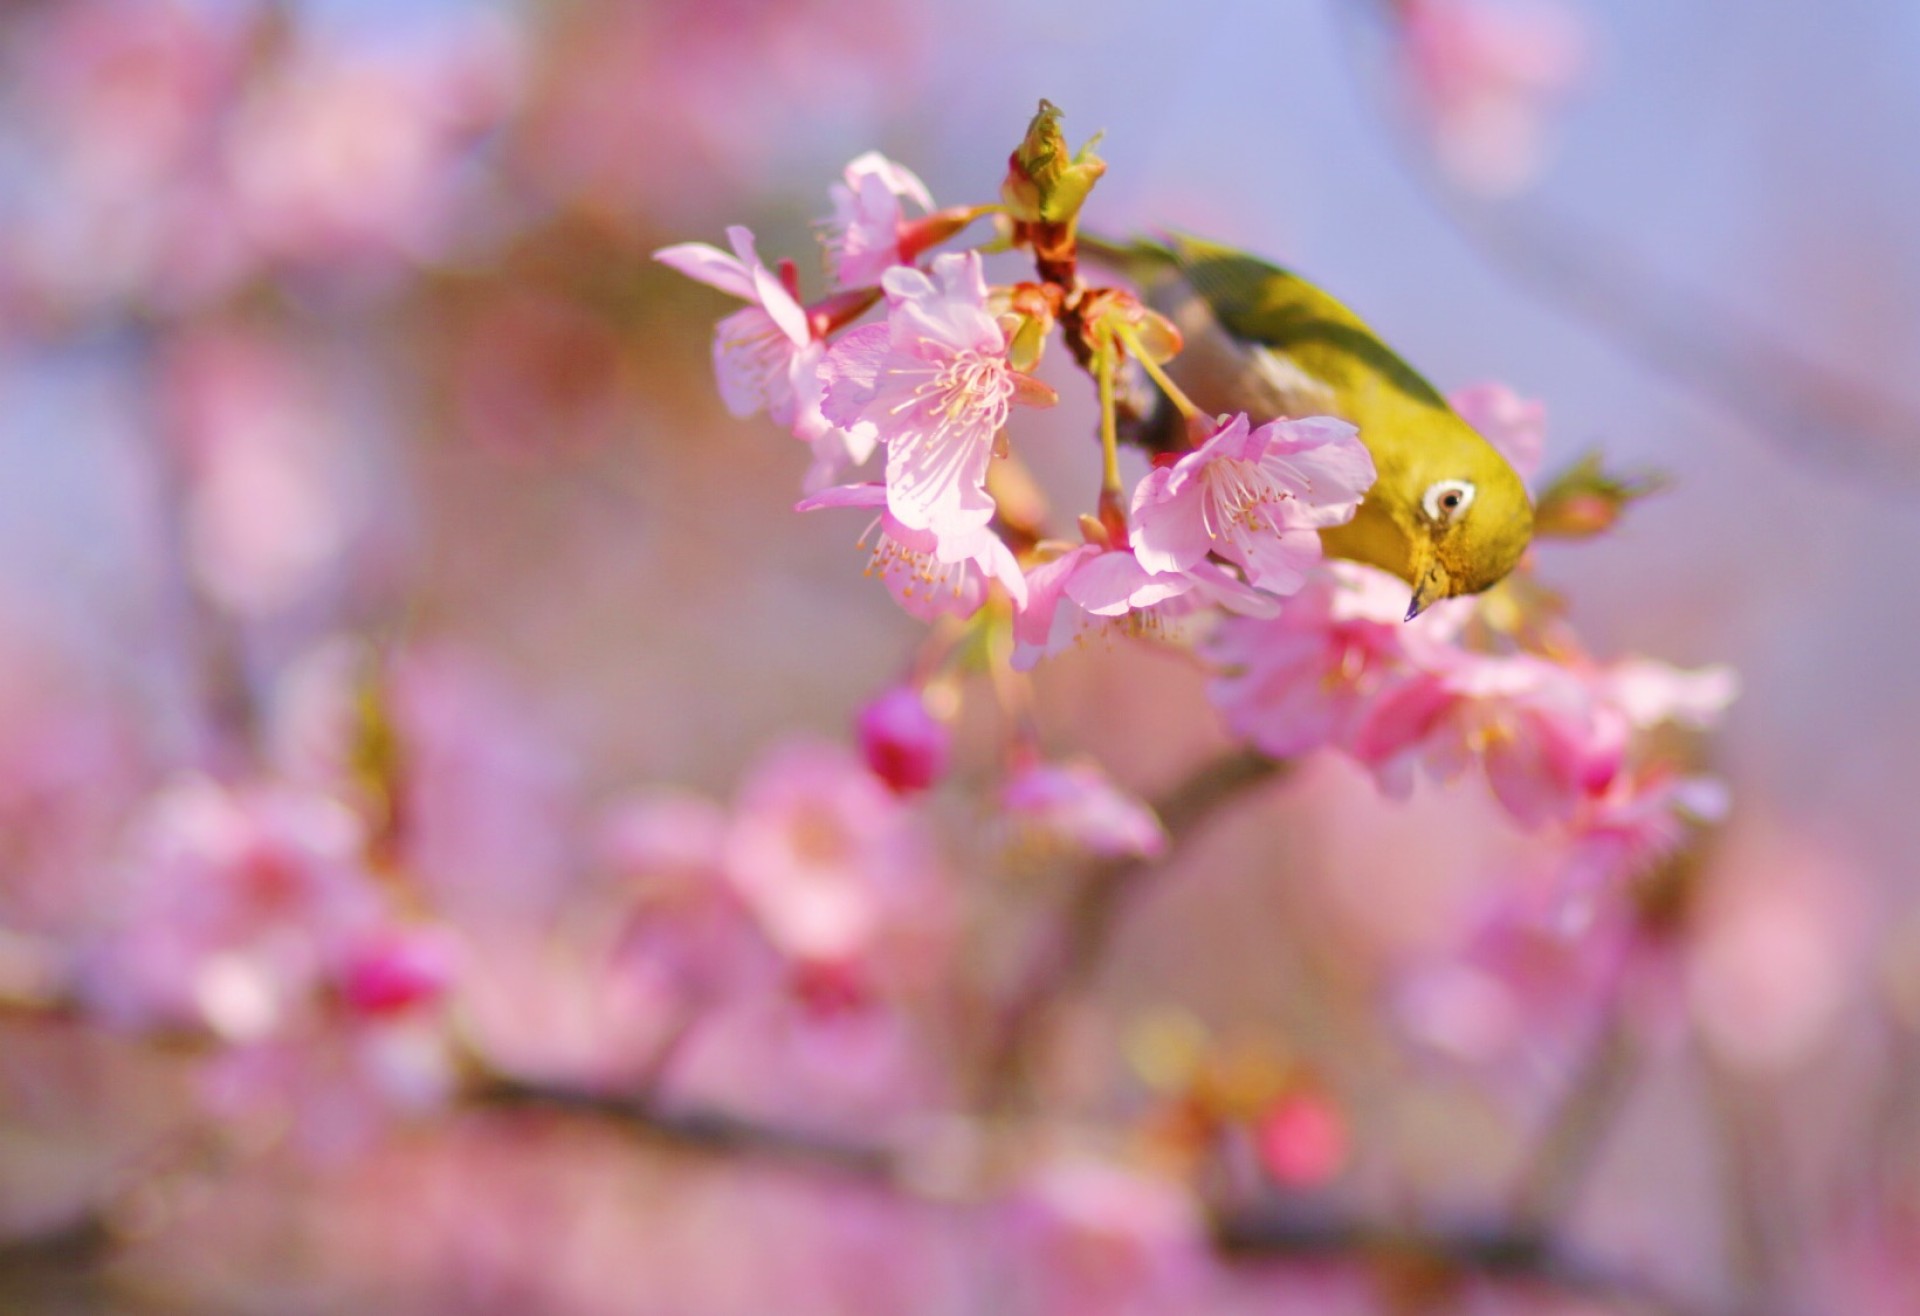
1264, 304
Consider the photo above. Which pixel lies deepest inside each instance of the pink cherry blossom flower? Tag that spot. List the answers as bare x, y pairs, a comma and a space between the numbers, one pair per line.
831, 865
238, 904
1639, 820
1095, 590
767, 357
1254, 496
863, 237
903, 743
689, 936
1309, 676
934, 385
1545, 743
1552, 737
760, 354
1514, 425
1078, 807
928, 575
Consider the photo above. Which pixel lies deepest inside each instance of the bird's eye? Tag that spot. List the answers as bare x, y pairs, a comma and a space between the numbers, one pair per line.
1445, 500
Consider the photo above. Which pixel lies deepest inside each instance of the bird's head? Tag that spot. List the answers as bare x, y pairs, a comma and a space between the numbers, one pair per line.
1469, 522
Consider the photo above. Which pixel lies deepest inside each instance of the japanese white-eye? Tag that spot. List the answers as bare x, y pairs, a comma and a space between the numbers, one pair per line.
1448, 514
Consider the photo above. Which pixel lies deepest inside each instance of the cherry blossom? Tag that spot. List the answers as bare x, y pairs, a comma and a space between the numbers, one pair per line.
863, 239
932, 384
825, 857
1097, 590
928, 575
1253, 496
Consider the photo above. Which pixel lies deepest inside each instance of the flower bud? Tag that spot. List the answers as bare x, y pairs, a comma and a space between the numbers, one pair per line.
903, 743
1584, 500
1044, 183
397, 971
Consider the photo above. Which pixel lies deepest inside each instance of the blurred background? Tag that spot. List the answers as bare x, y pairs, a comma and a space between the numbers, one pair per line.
329, 329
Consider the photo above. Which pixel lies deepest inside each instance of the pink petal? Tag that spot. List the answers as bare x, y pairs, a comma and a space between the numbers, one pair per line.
1170, 531
1112, 583
1045, 585
846, 495
851, 372
709, 265
1279, 563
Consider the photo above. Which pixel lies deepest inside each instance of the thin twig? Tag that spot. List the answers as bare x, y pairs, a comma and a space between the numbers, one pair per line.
1574, 1132
1445, 1252
691, 1127
1754, 1193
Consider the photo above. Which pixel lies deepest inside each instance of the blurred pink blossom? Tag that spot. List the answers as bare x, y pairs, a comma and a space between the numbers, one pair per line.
902, 741
833, 867
272, 500
1552, 737
1308, 677
1304, 1140
396, 970
689, 936
1774, 957
1516, 426
484, 801
342, 158
1094, 1238
1254, 496
1049, 807
175, 153
239, 906
1486, 76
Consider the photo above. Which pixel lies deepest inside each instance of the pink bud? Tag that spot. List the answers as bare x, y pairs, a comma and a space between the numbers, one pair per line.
903, 743
1303, 1140
396, 971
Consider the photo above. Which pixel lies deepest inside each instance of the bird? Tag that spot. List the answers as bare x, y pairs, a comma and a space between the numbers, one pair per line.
1447, 513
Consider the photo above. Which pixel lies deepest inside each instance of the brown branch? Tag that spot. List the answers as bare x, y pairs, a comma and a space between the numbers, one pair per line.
1087, 926
693, 1128
1434, 1258
1574, 1132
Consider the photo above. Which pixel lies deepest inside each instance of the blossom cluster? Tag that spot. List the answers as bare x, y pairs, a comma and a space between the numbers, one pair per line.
934, 385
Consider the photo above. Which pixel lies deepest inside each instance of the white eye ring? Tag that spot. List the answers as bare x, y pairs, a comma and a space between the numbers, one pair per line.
1445, 500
